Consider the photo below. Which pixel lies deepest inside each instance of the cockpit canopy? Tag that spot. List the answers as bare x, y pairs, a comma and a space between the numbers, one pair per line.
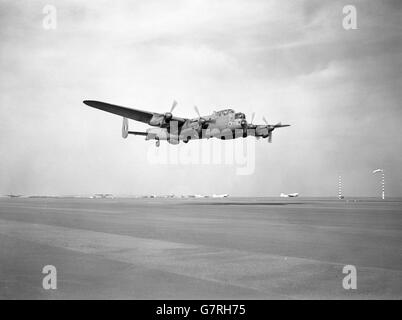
224, 112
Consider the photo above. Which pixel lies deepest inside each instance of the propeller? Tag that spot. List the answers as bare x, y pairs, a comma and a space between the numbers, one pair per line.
252, 117
201, 121
169, 115
173, 106
254, 126
271, 128
251, 125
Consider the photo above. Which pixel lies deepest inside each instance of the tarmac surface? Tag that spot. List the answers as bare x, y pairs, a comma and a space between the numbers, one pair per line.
231, 248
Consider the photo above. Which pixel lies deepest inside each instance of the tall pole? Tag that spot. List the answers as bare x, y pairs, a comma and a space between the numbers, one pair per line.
339, 187
382, 181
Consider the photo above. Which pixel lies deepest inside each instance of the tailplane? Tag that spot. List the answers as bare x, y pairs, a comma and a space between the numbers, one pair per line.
125, 132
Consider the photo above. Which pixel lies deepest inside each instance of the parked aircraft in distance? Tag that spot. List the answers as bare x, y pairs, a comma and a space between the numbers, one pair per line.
200, 196
289, 195
220, 195
224, 124
102, 196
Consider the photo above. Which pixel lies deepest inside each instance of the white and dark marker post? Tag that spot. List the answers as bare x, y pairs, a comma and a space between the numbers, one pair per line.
382, 181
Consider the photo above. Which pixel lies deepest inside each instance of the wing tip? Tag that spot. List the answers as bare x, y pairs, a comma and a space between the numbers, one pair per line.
88, 102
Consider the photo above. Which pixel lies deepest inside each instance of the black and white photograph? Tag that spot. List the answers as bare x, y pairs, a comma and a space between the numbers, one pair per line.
194, 150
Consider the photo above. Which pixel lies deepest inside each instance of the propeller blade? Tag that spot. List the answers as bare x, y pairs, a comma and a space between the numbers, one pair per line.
252, 117
270, 138
197, 111
265, 120
173, 106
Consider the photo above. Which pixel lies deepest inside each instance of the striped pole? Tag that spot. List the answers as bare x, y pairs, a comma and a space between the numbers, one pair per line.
382, 181
339, 187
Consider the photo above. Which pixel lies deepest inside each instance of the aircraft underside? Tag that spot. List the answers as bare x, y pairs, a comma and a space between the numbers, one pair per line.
187, 135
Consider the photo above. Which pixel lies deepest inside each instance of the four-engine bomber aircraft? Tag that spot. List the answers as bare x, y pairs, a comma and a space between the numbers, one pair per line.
224, 124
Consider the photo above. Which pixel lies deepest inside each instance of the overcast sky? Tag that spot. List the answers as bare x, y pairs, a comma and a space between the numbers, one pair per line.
289, 61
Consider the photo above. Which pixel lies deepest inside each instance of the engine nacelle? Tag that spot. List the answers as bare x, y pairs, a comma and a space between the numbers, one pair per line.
261, 131
156, 120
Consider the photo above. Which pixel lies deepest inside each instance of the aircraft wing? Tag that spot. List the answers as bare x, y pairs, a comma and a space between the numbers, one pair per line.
135, 114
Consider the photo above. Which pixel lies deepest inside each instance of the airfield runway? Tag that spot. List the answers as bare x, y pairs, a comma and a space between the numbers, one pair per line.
232, 248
